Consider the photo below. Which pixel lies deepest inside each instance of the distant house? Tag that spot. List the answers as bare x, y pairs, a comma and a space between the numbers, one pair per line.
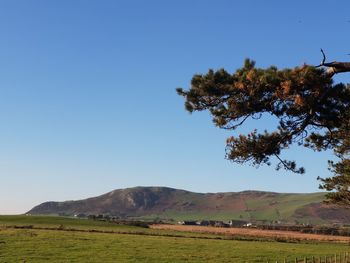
221, 224
81, 215
237, 223
190, 223
204, 223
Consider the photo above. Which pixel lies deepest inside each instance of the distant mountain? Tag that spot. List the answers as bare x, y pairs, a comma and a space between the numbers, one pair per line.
169, 203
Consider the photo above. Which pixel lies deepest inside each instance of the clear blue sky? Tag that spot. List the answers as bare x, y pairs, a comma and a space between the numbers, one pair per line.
88, 102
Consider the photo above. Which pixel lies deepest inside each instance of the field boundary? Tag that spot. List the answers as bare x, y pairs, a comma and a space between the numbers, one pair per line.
98, 231
277, 235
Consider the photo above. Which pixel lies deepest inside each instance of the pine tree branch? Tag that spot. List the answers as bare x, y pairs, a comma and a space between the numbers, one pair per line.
334, 67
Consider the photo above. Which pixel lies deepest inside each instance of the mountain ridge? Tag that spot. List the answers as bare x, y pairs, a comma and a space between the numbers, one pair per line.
178, 204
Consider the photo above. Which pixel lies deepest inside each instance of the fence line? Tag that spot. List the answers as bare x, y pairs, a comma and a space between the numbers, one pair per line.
336, 258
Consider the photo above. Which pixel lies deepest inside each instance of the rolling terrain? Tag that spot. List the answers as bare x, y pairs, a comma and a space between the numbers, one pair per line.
60, 239
169, 203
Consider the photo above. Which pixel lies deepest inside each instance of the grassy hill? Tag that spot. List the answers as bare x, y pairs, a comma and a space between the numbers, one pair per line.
169, 203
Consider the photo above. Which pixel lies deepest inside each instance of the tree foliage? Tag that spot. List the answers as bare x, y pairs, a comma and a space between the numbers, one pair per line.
312, 111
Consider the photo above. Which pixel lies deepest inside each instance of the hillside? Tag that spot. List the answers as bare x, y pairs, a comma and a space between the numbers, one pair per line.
169, 203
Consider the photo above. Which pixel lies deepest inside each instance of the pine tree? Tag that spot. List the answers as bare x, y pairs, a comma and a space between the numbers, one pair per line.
311, 109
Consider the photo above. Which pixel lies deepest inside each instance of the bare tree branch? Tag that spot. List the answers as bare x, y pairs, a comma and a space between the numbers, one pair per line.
334, 67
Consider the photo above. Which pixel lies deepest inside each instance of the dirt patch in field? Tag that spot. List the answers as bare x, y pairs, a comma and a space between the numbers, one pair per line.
251, 232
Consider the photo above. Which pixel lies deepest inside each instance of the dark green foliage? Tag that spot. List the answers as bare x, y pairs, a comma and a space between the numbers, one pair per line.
339, 182
311, 111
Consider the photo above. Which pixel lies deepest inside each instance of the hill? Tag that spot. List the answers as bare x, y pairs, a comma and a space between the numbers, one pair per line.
169, 203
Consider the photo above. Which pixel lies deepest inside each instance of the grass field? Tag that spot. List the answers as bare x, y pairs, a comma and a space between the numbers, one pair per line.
135, 244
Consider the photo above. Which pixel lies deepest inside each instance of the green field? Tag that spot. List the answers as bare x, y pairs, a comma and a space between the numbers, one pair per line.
57, 242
